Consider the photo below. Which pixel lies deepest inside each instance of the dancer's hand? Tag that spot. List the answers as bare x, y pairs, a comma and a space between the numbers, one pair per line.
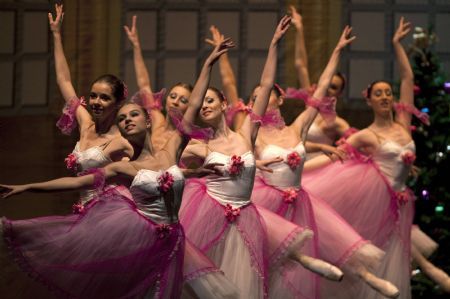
403, 29
345, 38
334, 153
217, 37
263, 164
55, 24
297, 20
282, 27
204, 170
221, 47
132, 33
8, 190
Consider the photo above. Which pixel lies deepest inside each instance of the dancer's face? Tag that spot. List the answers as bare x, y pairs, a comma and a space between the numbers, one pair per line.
335, 88
132, 120
275, 101
101, 101
381, 98
178, 98
212, 107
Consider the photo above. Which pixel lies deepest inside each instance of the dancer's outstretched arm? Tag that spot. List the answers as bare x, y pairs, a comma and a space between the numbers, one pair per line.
63, 77
305, 119
406, 73
142, 76
70, 183
249, 128
228, 79
301, 56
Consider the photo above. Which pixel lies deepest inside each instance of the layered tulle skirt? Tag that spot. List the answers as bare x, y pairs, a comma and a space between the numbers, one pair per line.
249, 244
335, 240
109, 250
359, 192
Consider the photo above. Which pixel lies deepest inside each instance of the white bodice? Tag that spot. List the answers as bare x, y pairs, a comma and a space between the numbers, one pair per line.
316, 135
283, 176
92, 157
389, 158
148, 198
231, 189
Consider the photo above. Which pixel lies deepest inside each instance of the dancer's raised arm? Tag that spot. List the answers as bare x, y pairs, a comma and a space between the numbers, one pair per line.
305, 119
202, 83
142, 76
63, 77
406, 74
301, 56
228, 79
250, 128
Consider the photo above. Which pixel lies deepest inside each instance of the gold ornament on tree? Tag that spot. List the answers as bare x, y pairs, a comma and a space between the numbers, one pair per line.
423, 39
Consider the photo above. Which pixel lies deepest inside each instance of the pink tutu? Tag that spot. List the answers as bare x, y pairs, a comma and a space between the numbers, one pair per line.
110, 250
335, 240
248, 244
359, 192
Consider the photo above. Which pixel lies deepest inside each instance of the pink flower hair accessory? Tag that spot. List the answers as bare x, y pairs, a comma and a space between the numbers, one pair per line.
289, 195
236, 166
163, 230
78, 208
165, 182
67, 122
293, 160
71, 161
408, 158
280, 90
231, 213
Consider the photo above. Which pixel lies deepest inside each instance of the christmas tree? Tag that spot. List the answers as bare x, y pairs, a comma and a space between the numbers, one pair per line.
432, 185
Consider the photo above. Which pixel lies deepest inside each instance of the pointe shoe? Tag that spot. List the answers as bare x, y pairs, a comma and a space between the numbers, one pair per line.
438, 276
322, 268
382, 286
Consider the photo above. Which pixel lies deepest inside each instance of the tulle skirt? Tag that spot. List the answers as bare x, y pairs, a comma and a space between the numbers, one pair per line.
247, 244
109, 250
359, 192
335, 240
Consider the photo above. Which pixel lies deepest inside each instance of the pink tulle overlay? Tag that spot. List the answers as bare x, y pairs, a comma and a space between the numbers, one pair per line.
361, 194
267, 238
67, 122
298, 94
335, 240
326, 105
403, 107
349, 132
154, 101
109, 251
270, 118
187, 129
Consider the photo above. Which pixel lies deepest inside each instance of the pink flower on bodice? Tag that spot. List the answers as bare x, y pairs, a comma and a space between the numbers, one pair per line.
290, 195
77, 208
236, 165
230, 213
163, 230
165, 182
293, 160
408, 158
402, 197
71, 161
